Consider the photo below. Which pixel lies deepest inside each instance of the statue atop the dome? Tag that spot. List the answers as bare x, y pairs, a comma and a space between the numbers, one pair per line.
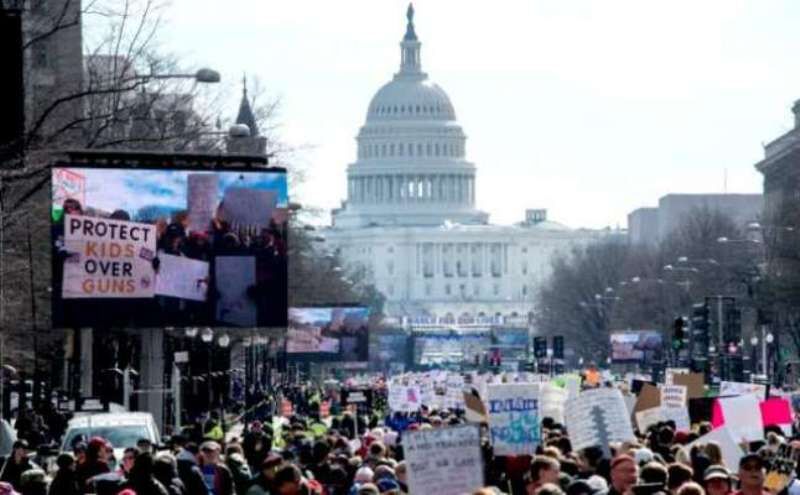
411, 35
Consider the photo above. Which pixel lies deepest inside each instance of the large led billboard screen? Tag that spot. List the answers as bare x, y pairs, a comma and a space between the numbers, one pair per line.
141, 247
329, 333
635, 345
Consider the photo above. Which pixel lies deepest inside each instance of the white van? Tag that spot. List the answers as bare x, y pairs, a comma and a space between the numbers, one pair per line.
123, 430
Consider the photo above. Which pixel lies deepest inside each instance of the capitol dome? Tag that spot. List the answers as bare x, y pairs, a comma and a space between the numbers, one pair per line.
410, 98
411, 166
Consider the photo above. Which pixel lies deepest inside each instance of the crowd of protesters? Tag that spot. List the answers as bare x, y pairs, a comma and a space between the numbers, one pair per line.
351, 454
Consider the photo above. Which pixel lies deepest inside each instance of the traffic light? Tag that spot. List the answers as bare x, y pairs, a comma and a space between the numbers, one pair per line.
558, 347
733, 324
540, 347
700, 327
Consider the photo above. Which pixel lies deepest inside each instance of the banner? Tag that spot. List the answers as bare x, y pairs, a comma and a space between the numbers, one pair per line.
598, 417
108, 258
514, 421
181, 277
444, 461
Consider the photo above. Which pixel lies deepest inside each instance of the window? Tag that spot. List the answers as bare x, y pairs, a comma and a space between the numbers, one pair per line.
391, 149
390, 267
447, 290
400, 149
436, 149
476, 290
419, 149
428, 149
496, 289
383, 149
428, 287
447, 267
525, 267
410, 149
495, 260
390, 289
427, 260
524, 291
477, 259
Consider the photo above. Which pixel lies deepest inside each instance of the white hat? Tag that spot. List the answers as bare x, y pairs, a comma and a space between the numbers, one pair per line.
364, 475
643, 456
597, 483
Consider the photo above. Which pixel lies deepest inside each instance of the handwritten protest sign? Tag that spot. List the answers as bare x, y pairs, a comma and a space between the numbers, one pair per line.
244, 207
234, 306
202, 200
514, 418
444, 461
598, 417
673, 396
108, 258
182, 277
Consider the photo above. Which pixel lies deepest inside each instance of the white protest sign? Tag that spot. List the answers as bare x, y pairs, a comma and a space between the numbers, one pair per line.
234, 275
202, 199
514, 420
598, 417
573, 385
731, 452
742, 416
182, 277
647, 418
245, 207
403, 398
680, 415
444, 461
108, 258
737, 388
68, 184
673, 396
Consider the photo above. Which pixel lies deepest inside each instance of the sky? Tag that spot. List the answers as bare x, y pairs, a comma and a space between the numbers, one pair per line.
130, 190
590, 109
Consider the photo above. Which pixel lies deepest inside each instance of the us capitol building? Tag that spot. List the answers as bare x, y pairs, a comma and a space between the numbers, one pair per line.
410, 219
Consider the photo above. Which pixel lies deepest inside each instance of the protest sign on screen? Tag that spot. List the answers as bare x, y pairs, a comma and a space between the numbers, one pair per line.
329, 333
143, 247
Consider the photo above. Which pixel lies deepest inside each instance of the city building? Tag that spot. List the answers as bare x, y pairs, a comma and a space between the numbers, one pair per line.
781, 170
410, 222
649, 226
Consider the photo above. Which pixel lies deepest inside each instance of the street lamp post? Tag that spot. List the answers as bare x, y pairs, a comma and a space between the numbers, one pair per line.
754, 354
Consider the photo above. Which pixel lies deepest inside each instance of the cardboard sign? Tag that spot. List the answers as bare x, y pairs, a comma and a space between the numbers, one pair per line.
514, 420
695, 384
673, 396
738, 388
108, 258
649, 397
731, 452
182, 277
444, 461
234, 306
246, 208
202, 199
598, 417
781, 468
670, 373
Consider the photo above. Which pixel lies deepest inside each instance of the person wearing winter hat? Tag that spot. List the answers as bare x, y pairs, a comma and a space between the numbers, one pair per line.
16, 464
597, 483
388, 486
364, 475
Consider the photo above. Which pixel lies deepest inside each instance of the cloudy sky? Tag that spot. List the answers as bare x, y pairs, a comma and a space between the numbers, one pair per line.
116, 189
588, 108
